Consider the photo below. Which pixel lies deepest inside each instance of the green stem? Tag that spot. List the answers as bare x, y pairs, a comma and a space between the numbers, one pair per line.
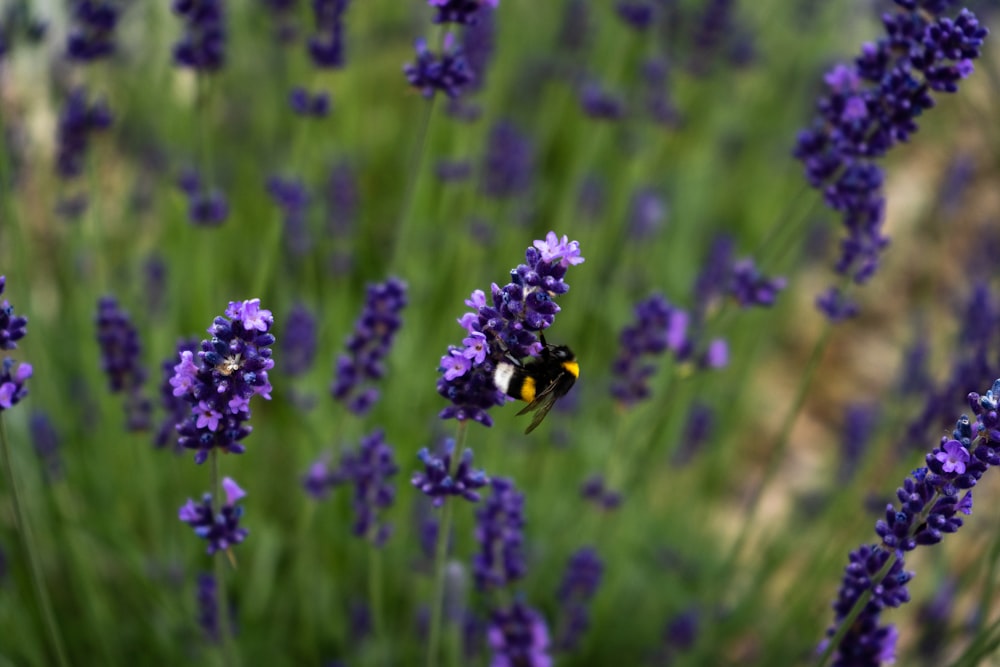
403, 243
219, 566
441, 558
31, 552
375, 594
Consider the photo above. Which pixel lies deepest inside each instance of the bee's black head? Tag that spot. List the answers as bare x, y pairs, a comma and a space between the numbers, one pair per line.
560, 352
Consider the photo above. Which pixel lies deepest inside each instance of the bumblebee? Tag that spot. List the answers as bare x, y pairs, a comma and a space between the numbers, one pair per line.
540, 381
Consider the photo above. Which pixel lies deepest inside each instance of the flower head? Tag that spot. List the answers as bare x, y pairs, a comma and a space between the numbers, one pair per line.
579, 585
298, 346
509, 163
500, 533
12, 383
370, 469
121, 350
431, 73
230, 368
77, 121
12, 327
202, 46
326, 47
438, 481
221, 530
505, 326
518, 637
465, 12
91, 34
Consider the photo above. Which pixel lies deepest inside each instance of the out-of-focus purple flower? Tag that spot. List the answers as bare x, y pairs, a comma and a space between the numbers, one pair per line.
12, 327
176, 408
509, 163
681, 631
659, 103
284, 16
579, 584
594, 490
647, 212
292, 198
599, 103
478, 44
649, 337
47, 445
343, 199
362, 366
202, 46
870, 107
836, 305
438, 481
13, 387
637, 15
326, 47
321, 478
369, 469
500, 533
929, 501
304, 103
751, 287
77, 121
518, 637
121, 361
222, 531
208, 607
464, 12
91, 32
697, 431
859, 426
505, 329
206, 207
231, 368
448, 73
298, 346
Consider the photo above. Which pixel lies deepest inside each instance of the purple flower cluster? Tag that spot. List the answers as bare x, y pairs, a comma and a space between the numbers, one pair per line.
438, 481
509, 163
697, 431
208, 606
91, 34
500, 533
636, 15
369, 469
465, 12
871, 106
207, 207
292, 198
448, 73
47, 444
298, 345
202, 47
594, 490
326, 47
929, 502
752, 288
120, 348
359, 369
304, 103
12, 380
175, 407
599, 103
659, 327
505, 329
77, 121
518, 636
578, 587
231, 368
221, 530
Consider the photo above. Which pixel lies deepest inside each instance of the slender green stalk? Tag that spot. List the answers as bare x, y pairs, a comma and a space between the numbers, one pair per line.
227, 649
31, 552
441, 559
382, 642
403, 242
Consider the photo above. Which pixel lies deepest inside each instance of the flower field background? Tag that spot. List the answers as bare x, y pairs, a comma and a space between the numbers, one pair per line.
271, 252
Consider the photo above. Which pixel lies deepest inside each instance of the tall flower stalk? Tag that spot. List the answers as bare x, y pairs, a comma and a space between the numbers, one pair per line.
13, 379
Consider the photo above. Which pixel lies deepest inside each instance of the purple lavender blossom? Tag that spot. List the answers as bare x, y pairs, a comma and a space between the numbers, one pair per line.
697, 431
309, 105
478, 44
202, 46
506, 328
448, 73
837, 305
231, 368
599, 103
91, 33
594, 490
500, 533
208, 606
121, 361
77, 121
438, 482
362, 366
870, 107
292, 198
12, 327
752, 288
369, 469
518, 637
647, 213
578, 587
298, 346
509, 163
47, 444
222, 530
206, 207
464, 12
343, 199
284, 14
929, 501
636, 15
176, 408
320, 478
659, 327
326, 47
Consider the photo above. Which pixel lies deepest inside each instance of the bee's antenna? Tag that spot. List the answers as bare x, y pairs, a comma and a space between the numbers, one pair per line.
542, 336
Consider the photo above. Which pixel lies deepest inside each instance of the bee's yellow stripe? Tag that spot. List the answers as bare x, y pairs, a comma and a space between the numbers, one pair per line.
528, 389
572, 368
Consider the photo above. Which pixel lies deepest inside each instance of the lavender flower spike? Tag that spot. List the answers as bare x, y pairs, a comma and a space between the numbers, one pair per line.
500, 533
465, 12
929, 502
519, 636
437, 482
12, 379
118, 340
447, 73
12, 327
507, 328
219, 382
222, 530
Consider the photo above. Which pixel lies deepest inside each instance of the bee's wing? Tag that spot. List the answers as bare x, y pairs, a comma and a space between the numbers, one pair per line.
545, 400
